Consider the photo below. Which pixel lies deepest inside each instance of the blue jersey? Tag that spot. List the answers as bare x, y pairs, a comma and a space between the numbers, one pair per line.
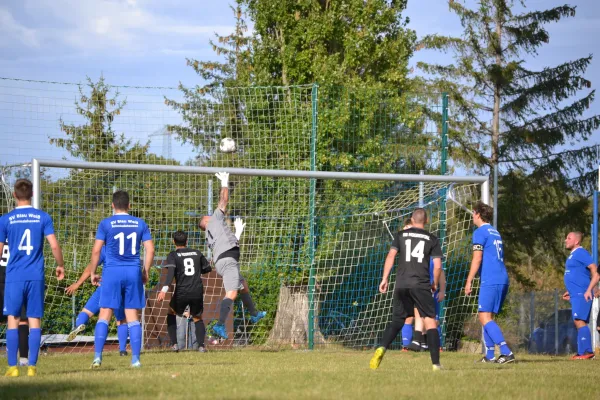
492, 270
431, 271
577, 274
122, 235
25, 228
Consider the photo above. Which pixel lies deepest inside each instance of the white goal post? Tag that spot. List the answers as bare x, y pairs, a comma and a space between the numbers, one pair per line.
355, 229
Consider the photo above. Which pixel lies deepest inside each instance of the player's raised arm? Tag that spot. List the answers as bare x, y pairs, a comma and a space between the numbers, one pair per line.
58, 256
224, 194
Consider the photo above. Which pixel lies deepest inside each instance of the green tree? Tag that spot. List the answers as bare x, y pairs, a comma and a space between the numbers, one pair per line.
79, 199
349, 42
532, 113
336, 70
210, 111
96, 140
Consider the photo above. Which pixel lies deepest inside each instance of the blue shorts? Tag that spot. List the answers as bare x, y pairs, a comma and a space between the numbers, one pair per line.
580, 308
491, 298
437, 306
122, 288
29, 294
93, 305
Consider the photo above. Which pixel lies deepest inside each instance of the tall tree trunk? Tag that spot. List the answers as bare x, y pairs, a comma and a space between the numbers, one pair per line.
496, 117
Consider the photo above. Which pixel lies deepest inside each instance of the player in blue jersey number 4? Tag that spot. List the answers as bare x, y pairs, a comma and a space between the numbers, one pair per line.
122, 280
25, 228
581, 277
488, 261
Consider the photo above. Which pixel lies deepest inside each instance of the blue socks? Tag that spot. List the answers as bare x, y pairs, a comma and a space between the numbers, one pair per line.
100, 335
35, 340
492, 329
135, 335
122, 333
584, 340
489, 345
12, 346
82, 319
407, 333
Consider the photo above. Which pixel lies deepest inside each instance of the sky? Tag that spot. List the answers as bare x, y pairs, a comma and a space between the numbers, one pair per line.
146, 42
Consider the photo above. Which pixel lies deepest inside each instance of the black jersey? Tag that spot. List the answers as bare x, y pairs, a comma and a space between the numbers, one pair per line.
415, 248
189, 266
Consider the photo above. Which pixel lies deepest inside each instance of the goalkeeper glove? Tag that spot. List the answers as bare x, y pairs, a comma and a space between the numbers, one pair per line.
239, 227
224, 178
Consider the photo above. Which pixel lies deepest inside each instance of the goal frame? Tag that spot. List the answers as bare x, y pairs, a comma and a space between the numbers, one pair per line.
313, 175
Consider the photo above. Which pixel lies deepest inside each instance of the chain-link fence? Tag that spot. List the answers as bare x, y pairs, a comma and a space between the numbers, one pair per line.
533, 322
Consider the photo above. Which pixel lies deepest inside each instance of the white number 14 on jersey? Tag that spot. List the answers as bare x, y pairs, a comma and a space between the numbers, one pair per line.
418, 252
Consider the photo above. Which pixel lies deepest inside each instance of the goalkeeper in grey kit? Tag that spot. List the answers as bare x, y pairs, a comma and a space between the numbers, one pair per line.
224, 245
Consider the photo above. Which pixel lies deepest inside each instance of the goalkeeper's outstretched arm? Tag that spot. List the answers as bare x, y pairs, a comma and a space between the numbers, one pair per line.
224, 194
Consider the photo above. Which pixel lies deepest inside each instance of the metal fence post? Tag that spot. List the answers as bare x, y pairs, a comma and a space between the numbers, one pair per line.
312, 222
556, 321
444, 157
421, 190
531, 314
595, 305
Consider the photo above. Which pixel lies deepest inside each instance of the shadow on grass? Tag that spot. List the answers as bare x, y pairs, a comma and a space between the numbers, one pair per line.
27, 388
541, 361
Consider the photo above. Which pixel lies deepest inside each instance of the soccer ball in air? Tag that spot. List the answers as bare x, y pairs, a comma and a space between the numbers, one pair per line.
227, 145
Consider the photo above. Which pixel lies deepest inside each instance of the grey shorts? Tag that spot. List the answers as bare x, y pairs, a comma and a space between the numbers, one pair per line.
229, 269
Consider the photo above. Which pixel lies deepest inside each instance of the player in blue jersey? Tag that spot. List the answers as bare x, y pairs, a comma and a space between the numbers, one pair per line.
581, 277
25, 228
92, 307
23, 324
122, 280
488, 260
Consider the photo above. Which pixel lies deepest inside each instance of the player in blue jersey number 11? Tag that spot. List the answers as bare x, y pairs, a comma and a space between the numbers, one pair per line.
122, 280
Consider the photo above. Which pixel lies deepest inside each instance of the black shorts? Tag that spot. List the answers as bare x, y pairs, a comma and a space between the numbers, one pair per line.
179, 303
4, 318
406, 300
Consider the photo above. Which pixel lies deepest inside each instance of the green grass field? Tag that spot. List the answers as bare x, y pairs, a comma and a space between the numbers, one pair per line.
302, 375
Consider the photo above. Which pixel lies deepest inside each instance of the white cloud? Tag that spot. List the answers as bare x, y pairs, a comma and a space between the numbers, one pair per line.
108, 26
12, 31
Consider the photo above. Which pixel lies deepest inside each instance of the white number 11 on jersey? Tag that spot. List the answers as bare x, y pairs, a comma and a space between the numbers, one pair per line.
418, 252
121, 237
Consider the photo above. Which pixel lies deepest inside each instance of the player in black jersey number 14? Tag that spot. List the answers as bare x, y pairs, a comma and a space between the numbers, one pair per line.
415, 247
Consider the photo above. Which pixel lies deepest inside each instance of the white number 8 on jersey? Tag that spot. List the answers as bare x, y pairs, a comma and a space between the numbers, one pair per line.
189, 269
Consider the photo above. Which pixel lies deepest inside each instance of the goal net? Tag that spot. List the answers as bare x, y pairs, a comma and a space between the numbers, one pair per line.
312, 251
